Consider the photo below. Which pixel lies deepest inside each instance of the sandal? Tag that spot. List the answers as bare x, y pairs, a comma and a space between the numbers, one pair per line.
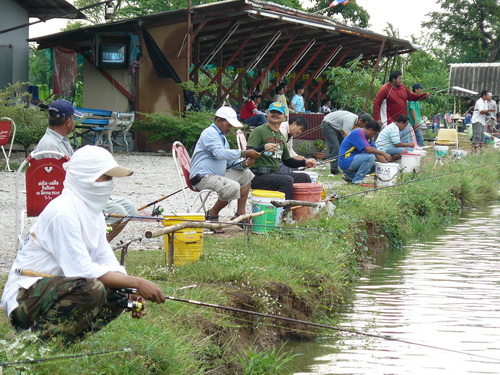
242, 222
214, 219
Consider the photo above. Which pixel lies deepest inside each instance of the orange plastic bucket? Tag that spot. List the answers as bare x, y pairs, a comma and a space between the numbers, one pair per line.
309, 192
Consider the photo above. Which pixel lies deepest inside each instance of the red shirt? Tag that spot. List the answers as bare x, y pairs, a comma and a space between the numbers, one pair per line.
247, 110
396, 98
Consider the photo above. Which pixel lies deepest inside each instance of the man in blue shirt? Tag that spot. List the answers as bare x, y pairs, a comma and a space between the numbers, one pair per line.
358, 153
216, 167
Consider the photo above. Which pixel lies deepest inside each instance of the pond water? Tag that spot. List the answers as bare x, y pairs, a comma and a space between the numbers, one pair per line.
443, 293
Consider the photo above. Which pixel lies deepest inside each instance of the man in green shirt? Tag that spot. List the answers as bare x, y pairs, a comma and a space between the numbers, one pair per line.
415, 115
268, 140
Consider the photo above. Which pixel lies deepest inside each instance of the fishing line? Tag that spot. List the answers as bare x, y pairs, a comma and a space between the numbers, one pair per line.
62, 357
319, 325
408, 182
150, 218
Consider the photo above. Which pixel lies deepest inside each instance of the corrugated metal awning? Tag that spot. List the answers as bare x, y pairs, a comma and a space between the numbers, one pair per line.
47, 9
475, 77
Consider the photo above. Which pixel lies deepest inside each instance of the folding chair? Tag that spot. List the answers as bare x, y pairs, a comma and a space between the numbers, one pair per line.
44, 182
448, 121
6, 125
183, 165
241, 139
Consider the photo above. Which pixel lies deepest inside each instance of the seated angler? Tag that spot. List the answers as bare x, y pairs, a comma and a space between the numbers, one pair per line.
358, 153
268, 140
250, 113
61, 124
395, 138
289, 131
216, 167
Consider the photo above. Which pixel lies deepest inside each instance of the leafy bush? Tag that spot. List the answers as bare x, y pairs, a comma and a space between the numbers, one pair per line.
170, 128
31, 122
349, 85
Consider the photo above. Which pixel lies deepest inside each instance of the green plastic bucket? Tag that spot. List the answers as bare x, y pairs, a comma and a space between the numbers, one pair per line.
261, 201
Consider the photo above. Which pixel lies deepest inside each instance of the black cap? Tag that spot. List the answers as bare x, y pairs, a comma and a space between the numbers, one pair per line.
417, 86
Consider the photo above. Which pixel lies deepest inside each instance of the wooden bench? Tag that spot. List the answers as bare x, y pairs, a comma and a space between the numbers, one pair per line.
100, 127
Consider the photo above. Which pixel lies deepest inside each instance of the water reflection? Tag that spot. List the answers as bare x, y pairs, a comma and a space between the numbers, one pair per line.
442, 293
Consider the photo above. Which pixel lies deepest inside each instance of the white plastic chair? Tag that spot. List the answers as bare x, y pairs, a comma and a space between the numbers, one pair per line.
183, 165
6, 126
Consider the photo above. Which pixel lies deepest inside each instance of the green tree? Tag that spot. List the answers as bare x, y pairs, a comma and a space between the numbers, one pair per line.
351, 14
469, 29
39, 66
349, 87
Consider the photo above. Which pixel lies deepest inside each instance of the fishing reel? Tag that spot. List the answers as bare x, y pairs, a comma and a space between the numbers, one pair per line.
157, 211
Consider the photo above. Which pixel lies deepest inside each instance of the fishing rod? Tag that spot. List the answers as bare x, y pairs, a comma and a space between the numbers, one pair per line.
405, 183
325, 326
309, 131
131, 217
61, 357
160, 199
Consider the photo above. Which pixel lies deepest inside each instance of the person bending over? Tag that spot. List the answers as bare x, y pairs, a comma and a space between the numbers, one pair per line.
358, 153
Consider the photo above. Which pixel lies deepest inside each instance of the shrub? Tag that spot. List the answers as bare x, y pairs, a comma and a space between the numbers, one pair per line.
31, 122
169, 128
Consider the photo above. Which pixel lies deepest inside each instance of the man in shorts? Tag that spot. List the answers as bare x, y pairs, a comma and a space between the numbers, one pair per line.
216, 167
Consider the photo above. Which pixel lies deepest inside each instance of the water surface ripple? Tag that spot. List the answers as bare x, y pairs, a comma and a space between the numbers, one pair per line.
443, 293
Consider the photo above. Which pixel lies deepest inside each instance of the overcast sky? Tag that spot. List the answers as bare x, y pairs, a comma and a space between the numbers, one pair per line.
405, 15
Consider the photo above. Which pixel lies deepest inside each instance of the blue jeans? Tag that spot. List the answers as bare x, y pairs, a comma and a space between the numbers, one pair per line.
333, 139
361, 165
391, 150
420, 137
255, 120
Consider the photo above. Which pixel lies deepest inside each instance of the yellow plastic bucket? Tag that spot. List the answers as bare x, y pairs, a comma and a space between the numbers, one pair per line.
188, 242
261, 201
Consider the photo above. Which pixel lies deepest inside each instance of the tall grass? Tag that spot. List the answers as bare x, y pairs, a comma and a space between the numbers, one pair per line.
301, 274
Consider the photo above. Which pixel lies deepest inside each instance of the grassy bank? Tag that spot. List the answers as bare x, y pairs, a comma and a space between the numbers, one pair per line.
301, 274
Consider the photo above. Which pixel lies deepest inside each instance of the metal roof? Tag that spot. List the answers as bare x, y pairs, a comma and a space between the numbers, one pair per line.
47, 9
475, 77
212, 21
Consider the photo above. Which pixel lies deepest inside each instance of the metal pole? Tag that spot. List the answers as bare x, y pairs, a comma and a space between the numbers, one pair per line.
375, 69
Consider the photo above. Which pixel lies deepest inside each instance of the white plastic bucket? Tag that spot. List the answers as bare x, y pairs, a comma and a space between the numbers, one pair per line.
458, 154
420, 152
313, 175
386, 173
410, 162
261, 201
441, 151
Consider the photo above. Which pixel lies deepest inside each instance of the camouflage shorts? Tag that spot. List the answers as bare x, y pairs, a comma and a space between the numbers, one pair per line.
68, 307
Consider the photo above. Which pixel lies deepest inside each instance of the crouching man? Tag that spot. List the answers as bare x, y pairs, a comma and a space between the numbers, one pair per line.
69, 242
358, 153
216, 167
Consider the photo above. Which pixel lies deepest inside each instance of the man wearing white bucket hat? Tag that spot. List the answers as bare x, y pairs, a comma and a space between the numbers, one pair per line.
61, 280
216, 167
358, 153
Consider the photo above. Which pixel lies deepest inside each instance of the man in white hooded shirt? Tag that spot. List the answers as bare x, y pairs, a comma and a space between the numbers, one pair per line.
69, 241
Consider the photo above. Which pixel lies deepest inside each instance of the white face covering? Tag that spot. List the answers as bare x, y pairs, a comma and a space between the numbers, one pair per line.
88, 196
